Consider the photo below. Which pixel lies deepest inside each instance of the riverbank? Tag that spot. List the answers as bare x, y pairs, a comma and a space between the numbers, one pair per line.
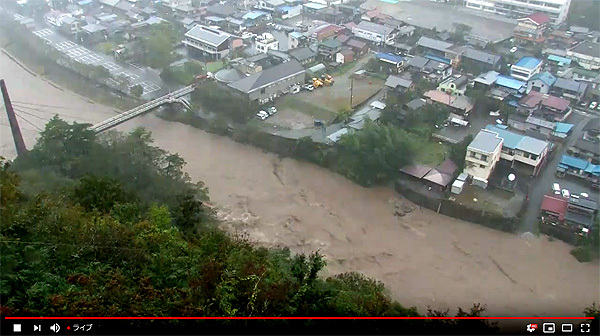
425, 259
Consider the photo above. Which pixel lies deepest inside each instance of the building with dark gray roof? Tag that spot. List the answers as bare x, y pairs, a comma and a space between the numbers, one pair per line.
303, 55
482, 59
271, 83
205, 42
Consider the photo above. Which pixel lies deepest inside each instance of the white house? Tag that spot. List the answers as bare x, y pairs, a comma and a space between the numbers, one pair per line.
266, 42
374, 32
526, 68
483, 153
521, 150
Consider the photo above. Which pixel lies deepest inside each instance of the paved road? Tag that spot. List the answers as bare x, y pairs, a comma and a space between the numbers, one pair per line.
148, 78
540, 185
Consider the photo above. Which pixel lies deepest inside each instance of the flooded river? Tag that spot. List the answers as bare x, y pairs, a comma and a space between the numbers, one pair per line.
424, 259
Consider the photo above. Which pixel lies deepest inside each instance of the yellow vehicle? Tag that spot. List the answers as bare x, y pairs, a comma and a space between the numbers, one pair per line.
327, 82
317, 83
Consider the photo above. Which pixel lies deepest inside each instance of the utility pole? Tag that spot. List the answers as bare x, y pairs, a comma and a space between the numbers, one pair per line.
12, 119
351, 90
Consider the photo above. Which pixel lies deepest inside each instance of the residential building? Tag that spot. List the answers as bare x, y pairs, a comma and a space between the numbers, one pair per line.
269, 5
70, 26
272, 82
344, 56
574, 215
586, 54
545, 106
357, 46
477, 61
485, 80
460, 105
525, 68
428, 45
483, 153
176, 3
594, 90
520, 151
577, 167
557, 10
325, 31
208, 43
296, 40
288, 12
454, 85
266, 42
328, 48
541, 82
508, 87
532, 27
399, 84
221, 10
569, 89
588, 147
93, 33
374, 32
396, 61
303, 55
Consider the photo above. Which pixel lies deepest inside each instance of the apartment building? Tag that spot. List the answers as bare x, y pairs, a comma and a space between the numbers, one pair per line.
208, 43
532, 27
266, 42
557, 10
526, 68
520, 151
483, 153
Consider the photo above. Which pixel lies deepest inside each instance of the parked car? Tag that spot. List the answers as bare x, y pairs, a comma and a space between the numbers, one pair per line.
583, 194
593, 105
566, 193
309, 87
262, 115
272, 110
556, 188
513, 49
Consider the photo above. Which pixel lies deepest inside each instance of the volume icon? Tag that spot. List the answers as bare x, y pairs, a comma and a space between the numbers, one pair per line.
55, 327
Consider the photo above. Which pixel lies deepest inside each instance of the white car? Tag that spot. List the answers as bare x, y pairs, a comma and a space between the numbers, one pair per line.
262, 115
513, 49
593, 105
584, 195
272, 110
556, 188
566, 193
309, 87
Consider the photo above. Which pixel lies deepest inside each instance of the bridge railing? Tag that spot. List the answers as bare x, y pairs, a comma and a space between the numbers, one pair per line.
134, 112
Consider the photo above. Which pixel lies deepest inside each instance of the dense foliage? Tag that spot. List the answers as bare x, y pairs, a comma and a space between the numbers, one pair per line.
213, 97
375, 154
101, 243
183, 74
158, 46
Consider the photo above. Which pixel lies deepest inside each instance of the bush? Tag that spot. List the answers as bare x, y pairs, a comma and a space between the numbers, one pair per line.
215, 98
582, 253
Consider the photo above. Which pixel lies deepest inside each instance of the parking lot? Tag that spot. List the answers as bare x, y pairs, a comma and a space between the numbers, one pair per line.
147, 87
111, 66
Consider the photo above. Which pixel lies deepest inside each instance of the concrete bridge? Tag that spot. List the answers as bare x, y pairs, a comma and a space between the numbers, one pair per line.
173, 97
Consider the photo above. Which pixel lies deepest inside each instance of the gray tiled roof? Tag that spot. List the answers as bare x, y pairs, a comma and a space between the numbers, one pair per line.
481, 56
302, 54
430, 43
207, 35
374, 27
587, 48
268, 76
485, 141
417, 62
395, 81
569, 84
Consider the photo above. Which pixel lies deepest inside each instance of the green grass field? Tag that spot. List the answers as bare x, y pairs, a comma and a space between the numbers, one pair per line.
432, 153
214, 66
309, 109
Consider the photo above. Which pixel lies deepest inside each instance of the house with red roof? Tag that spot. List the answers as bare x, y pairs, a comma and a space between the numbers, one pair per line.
532, 27
553, 210
545, 106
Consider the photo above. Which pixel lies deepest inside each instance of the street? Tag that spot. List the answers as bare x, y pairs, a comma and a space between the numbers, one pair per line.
540, 185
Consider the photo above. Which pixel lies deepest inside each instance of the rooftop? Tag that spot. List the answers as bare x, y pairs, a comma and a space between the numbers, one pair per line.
208, 35
528, 62
395, 81
374, 27
587, 48
539, 18
546, 77
433, 44
268, 76
571, 85
518, 141
302, 54
509, 82
486, 141
555, 204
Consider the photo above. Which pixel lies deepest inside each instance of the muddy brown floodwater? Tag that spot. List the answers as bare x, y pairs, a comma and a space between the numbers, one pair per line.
425, 259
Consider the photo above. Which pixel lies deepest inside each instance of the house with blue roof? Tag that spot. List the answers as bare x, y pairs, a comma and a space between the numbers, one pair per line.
526, 68
521, 152
541, 82
508, 89
577, 167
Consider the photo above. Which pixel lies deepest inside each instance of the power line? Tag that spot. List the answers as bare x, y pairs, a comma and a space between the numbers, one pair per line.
53, 113
31, 114
45, 105
29, 122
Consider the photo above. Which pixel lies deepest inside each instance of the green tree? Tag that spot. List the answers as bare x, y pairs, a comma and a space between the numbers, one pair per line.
158, 46
458, 151
374, 154
343, 115
137, 90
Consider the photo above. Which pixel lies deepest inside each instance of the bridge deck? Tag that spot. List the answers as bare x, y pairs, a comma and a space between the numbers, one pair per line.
136, 111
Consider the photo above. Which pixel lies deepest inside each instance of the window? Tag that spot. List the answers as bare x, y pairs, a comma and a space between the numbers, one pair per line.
484, 157
481, 166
